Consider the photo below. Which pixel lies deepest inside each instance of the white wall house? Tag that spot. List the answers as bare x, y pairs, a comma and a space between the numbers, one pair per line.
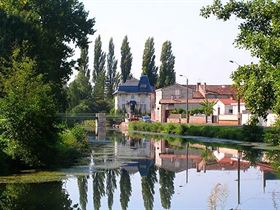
227, 107
135, 96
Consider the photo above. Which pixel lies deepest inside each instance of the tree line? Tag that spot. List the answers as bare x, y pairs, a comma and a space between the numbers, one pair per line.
92, 91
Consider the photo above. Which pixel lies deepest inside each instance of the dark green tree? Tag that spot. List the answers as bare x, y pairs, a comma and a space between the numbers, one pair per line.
258, 84
98, 179
166, 180
113, 77
148, 188
29, 112
148, 64
48, 27
80, 91
167, 74
125, 189
83, 189
99, 76
126, 60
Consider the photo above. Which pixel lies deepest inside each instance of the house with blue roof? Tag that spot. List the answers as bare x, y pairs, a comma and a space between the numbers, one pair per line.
135, 96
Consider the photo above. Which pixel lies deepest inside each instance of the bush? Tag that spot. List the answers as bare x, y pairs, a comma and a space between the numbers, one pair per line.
235, 133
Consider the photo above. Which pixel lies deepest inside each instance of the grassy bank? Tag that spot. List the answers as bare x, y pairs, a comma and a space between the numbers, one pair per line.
71, 143
245, 133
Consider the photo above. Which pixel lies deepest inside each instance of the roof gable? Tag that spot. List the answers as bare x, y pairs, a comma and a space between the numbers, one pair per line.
136, 86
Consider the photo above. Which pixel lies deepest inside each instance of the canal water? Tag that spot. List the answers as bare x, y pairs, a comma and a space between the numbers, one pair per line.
144, 172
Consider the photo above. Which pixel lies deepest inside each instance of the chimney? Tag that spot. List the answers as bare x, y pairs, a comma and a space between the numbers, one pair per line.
204, 87
197, 86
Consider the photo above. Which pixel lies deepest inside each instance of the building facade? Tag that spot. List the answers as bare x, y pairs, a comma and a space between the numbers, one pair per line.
135, 96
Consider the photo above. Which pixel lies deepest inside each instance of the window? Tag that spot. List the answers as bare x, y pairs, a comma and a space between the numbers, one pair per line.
132, 96
230, 111
177, 92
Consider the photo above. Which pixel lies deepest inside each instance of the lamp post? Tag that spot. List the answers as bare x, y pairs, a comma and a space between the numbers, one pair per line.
187, 108
238, 98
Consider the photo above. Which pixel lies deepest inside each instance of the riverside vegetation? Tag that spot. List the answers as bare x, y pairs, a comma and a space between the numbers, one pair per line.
251, 133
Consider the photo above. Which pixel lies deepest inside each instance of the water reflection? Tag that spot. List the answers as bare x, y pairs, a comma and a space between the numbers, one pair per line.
168, 173
43, 196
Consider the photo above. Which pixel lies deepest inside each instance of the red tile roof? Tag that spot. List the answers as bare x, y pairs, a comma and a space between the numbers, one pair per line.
184, 101
221, 89
227, 101
197, 95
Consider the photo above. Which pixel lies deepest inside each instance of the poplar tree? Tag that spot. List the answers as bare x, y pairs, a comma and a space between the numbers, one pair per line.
79, 91
126, 60
112, 77
98, 76
148, 64
166, 73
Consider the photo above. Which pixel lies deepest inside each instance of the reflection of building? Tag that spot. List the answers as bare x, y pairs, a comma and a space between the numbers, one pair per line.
198, 157
135, 96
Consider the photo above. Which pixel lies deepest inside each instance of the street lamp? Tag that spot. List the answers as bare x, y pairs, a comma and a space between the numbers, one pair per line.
187, 109
238, 98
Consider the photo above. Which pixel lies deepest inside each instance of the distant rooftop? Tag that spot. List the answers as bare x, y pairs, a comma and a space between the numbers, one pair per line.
136, 86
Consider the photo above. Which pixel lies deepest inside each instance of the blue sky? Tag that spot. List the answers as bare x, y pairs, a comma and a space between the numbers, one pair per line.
202, 47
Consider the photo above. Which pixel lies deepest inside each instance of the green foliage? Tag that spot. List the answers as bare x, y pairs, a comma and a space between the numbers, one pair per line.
246, 133
48, 27
126, 60
273, 134
252, 133
148, 64
98, 76
29, 111
207, 107
72, 144
258, 84
167, 74
79, 91
113, 77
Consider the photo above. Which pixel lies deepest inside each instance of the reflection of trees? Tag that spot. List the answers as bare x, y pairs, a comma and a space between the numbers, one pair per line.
148, 191
98, 188
43, 196
218, 197
252, 155
111, 183
83, 188
166, 180
125, 188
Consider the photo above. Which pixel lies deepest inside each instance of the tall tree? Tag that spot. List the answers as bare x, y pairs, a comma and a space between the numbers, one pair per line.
258, 84
166, 73
48, 27
98, 76
113, 77
79, 91
126, 60
148, 64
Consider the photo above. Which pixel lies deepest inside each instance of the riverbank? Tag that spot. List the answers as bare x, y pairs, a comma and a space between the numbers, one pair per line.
71, 144
240, 133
